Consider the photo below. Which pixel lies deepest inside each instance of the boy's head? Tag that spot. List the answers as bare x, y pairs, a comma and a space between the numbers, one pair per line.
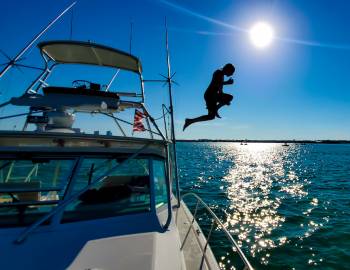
229, 69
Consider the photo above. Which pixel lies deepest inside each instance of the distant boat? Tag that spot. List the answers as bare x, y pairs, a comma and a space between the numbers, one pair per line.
285, 144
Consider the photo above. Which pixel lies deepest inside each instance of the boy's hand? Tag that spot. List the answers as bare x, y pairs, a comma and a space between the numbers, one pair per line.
230, 81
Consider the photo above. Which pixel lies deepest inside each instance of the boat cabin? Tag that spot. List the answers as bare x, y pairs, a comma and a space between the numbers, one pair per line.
109, 181
58, 187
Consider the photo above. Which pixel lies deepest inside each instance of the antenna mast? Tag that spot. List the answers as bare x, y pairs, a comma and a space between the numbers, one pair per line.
13, 61
171, 110
130, 42
71, 25
118, 70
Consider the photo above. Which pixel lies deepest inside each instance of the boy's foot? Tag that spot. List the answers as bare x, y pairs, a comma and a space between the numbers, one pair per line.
187, 123
217, 114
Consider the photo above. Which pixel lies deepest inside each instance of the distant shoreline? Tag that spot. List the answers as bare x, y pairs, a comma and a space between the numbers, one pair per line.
273, 141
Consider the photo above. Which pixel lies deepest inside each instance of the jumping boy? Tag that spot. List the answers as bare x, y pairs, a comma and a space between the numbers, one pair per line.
214, 97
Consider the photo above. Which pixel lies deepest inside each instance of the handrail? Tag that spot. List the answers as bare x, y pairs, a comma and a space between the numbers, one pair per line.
219, 223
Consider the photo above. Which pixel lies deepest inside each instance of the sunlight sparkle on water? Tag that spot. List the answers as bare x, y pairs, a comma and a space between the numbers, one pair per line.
259, 172
264, 191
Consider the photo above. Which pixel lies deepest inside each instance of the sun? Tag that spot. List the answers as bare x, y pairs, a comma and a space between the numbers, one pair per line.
261, 35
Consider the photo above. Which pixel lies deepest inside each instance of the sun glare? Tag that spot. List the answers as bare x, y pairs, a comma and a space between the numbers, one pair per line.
261, 35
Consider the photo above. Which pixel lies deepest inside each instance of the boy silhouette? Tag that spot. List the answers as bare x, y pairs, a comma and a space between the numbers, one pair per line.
214, 97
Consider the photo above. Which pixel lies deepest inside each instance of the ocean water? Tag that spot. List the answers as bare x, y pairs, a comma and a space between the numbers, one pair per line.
288, 207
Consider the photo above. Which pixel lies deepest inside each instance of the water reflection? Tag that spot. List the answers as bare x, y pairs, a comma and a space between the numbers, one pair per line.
263, 175
253, 213
278, 201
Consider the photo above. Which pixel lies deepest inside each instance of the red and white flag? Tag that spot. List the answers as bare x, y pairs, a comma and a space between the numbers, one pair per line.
138, 126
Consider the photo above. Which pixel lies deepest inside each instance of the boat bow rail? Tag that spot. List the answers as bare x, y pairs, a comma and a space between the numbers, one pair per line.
215, 224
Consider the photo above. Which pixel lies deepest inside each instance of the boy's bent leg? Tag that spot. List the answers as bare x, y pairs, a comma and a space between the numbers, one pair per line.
226, 99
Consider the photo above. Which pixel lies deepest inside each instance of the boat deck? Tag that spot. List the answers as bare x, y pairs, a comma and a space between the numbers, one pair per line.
193, 242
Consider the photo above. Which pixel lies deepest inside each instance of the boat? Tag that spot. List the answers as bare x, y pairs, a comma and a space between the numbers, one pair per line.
285, 144
75, 200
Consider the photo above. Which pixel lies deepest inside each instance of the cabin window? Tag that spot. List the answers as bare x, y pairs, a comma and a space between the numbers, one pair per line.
30, 188
160, 186
124, 189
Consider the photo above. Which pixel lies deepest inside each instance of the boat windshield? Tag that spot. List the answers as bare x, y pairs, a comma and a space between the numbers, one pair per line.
32, 187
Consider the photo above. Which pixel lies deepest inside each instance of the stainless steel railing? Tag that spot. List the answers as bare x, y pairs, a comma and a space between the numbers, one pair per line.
215, 221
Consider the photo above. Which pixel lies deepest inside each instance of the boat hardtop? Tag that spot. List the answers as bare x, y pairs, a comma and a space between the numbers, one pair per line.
79, 52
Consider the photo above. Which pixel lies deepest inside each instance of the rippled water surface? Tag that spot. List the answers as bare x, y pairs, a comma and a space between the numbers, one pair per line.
287, 206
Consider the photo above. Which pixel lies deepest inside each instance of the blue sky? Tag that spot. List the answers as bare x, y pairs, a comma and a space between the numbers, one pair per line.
298, 88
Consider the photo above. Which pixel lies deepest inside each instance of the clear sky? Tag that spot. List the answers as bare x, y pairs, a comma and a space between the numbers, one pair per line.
297, 88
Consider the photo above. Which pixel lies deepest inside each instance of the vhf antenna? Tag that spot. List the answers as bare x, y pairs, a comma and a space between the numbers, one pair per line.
168, 80
71, 25
171, 110
118, 70
130, 40
13, 62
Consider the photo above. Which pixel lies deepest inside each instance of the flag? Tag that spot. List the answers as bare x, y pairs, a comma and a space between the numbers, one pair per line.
138, 126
